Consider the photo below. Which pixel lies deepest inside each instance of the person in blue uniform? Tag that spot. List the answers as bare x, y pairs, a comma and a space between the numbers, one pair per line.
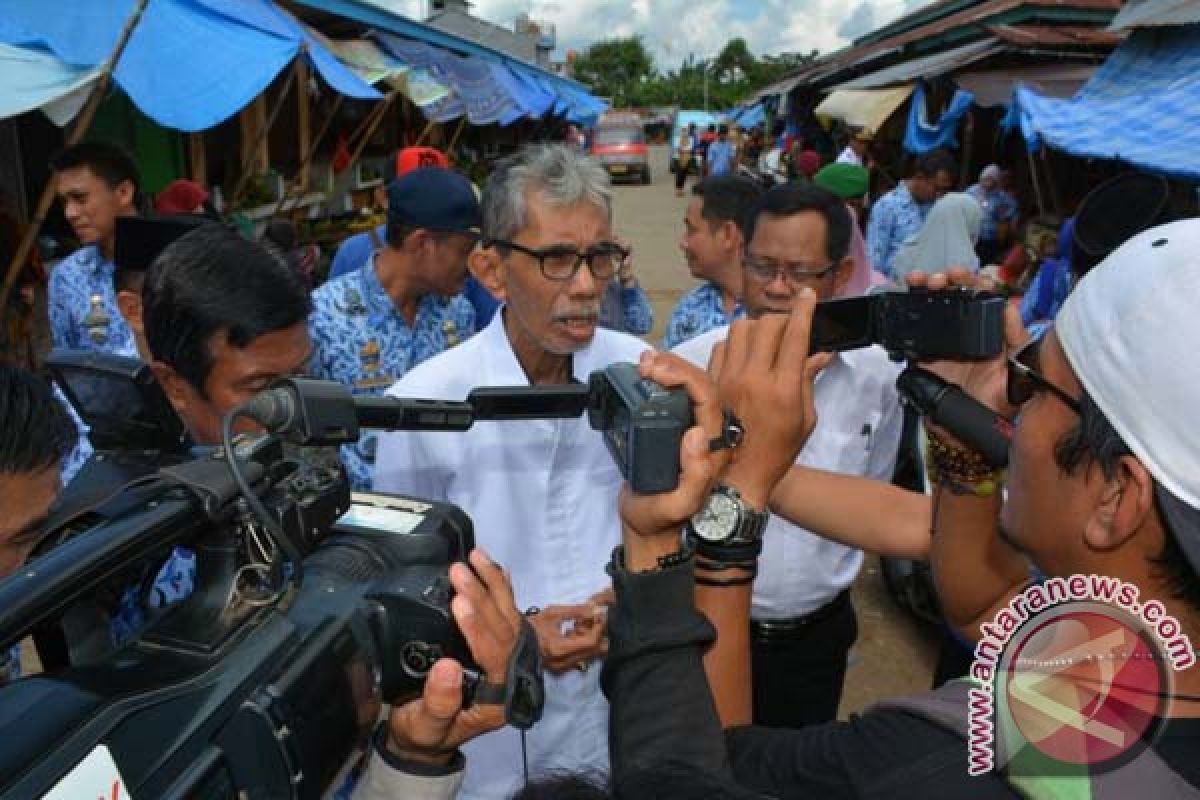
97, 183
404, 304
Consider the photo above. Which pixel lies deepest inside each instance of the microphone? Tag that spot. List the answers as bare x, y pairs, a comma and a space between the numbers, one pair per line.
309, 412
949, 407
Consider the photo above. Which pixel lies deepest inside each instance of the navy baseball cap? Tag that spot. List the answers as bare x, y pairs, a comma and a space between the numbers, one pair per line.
436, 199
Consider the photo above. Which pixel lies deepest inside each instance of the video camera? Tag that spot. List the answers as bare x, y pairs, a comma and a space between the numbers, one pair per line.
917, 325
311, 608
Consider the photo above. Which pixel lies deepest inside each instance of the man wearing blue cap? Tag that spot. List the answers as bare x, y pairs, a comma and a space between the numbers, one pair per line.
370, 327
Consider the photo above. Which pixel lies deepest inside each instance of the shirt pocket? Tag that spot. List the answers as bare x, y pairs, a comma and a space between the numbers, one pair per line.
845, 446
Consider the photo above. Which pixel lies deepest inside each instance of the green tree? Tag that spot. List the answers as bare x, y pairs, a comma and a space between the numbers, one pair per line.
619, 69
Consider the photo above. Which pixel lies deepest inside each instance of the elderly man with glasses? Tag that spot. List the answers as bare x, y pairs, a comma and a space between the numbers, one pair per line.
542, 493
802, 621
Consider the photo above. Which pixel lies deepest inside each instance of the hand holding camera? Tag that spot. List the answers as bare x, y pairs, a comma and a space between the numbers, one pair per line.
985, 380
431, 728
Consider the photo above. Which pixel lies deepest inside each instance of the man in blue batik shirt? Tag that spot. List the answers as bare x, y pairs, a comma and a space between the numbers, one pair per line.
901, 212
403, 305
96, 183
713, 245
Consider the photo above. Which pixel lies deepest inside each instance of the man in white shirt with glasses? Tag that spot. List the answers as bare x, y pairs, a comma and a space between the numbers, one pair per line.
802, 620
542, 493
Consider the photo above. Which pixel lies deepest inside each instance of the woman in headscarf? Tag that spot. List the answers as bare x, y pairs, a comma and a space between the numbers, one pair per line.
947, 239
850, 182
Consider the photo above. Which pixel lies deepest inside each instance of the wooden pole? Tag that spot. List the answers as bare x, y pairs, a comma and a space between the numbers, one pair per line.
82, 123
380, 114
462, 123
303, 114
1037, 186
1051, 185
259, 139
312, 151
424, 132
198, 157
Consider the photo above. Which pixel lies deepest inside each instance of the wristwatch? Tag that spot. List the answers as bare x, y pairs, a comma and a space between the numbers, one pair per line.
727, 522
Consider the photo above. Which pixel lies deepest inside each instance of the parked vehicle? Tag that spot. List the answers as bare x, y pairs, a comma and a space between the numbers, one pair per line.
701, 119
622, 150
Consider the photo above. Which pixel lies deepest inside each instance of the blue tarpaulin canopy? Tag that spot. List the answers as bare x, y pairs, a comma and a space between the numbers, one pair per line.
532, 89
32, 79
190, 64
1142, 106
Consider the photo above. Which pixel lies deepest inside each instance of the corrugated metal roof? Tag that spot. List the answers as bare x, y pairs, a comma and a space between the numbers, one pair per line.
927, 67
975, 18
1153, 13
1054, 35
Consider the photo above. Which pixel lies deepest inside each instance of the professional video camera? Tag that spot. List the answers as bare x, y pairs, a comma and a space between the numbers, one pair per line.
311, 608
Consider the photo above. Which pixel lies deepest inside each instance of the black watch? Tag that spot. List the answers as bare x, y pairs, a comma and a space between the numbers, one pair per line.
727, 522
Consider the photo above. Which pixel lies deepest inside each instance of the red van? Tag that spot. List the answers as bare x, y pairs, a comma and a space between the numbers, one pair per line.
622, 150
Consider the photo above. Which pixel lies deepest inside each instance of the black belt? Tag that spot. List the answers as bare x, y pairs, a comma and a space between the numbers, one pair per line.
772, 628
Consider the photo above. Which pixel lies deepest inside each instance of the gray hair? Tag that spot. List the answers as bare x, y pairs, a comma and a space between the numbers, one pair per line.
561, 174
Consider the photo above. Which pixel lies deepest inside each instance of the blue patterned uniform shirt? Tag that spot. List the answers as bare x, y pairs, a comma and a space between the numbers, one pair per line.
894, 218
362, 341
998, 206
83, 306
698, 311
626, 310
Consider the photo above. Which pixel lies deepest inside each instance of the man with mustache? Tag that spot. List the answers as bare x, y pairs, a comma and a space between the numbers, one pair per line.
542, 493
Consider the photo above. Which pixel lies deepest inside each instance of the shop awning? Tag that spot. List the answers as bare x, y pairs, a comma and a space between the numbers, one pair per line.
1142, 106
526, 94
33, 79
190, 64
928, 67
863, 108
371, 63
1153, 13
993, 88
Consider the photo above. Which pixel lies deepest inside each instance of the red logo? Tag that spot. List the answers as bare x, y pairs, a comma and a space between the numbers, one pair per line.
1085, 684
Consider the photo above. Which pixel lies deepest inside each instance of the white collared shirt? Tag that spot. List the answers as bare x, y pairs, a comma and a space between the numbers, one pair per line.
859, 421
543, 497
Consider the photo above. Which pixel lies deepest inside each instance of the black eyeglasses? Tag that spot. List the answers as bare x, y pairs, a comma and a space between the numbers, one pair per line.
1024, 379
796, 273
560, 263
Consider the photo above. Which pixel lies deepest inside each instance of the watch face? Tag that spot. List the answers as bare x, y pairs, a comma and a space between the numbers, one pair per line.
718, 520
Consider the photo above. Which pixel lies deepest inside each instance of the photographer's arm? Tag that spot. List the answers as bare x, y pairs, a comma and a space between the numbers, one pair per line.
975, 570
858, 512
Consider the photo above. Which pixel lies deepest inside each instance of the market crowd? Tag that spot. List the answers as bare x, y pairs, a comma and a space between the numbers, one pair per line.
712, 663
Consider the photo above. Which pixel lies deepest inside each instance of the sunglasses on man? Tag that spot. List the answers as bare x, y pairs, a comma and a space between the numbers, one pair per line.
1025, 378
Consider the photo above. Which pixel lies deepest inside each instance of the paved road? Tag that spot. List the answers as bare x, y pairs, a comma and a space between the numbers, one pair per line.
893, 655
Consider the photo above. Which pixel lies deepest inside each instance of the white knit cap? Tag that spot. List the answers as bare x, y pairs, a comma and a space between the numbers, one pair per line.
1131, 332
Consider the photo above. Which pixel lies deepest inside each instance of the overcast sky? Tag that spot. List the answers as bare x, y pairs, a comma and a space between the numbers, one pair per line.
674, 28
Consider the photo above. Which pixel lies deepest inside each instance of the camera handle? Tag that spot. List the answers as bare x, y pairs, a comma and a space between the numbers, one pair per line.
948, 406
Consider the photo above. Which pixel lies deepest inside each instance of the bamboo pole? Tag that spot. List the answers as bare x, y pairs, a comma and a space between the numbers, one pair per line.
259, 139
462, 123
82, 123
1037, 186
306, 163
303, 121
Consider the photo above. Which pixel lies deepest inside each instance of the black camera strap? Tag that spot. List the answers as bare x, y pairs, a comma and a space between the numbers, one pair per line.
523, 692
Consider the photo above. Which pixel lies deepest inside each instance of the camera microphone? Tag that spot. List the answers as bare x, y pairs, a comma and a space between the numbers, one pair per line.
948, 406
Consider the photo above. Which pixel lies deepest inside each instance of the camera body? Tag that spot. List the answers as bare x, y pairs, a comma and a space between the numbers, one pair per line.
917, 325
642, 424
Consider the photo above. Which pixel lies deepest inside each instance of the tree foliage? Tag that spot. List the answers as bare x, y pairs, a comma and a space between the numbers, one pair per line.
624, 71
